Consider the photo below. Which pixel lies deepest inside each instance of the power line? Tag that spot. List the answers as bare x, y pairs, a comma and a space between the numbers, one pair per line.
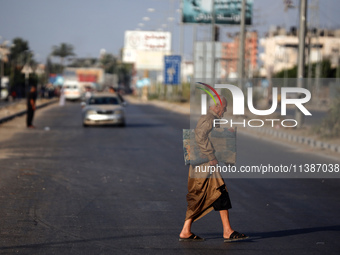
330, 19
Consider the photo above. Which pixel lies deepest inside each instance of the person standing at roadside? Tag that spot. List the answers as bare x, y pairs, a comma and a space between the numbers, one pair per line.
32, 97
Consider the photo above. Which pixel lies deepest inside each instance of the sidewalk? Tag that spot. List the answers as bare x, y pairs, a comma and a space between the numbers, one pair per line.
15, 109
301, 137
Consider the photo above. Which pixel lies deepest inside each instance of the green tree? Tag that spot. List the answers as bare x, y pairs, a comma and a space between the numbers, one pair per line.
109, 63
19, 56
51, 67
326, 71
19, 51
83, 62
330, 125
124, 73
63, 51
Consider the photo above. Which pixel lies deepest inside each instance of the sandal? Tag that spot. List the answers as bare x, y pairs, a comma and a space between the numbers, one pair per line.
235, 236
192, 238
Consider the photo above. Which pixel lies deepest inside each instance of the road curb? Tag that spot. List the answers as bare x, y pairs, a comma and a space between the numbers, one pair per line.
12, 116
300, 139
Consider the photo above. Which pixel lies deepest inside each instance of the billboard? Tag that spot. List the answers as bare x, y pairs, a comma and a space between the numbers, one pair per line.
150, 60
146, 49
129, 56
147, 40
227, 12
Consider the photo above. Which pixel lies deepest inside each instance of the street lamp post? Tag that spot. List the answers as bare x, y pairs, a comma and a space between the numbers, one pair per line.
241, 44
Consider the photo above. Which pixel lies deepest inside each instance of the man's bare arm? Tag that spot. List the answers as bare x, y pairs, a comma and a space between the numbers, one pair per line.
32, 104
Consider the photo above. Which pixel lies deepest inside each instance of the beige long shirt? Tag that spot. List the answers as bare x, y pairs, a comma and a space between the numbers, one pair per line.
203, 190
202, 131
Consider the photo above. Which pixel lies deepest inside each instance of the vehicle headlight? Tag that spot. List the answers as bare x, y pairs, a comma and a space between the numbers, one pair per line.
119, 112
91, 112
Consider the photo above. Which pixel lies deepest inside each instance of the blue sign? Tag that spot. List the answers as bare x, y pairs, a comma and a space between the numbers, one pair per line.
265, 83
172, 70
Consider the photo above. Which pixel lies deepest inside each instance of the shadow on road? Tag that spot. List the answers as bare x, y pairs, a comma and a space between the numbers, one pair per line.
293, 232
281, 233
253, 237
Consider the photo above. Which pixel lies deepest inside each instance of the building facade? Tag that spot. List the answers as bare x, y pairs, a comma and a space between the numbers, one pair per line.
230, 51
281, 49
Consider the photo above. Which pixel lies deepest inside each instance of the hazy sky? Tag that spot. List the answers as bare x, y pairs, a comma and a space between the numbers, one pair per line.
93, 25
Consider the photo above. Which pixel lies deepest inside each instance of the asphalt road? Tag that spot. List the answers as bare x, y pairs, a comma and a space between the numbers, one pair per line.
315, 119
111, 190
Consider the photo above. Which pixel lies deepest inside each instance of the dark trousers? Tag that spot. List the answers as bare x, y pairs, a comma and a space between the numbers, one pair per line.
223, 202
30, 115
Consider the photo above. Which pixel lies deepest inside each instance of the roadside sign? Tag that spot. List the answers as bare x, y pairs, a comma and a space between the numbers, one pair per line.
172, 70
27, 70
227, 12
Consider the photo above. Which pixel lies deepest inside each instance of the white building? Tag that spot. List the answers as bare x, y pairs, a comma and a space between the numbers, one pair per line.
281, 49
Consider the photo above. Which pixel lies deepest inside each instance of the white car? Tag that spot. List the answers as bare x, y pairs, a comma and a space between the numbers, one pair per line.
103, 109
72, 90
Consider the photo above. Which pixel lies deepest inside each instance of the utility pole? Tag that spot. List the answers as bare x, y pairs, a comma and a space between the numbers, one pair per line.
338, 67
194, 38
301, 60
313, 28
241, 44
181, 46
213, 42
1, 71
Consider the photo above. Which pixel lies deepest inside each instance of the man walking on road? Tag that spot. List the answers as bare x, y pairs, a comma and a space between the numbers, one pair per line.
206, 193
32, 97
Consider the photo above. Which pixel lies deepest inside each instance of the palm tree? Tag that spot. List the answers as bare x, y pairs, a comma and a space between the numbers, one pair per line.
63, 51
20, 52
